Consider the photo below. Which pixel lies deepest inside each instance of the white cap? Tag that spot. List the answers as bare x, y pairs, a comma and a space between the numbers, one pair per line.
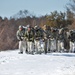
20, 26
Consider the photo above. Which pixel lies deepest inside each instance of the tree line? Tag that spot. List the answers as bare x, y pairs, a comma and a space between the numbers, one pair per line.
9, 27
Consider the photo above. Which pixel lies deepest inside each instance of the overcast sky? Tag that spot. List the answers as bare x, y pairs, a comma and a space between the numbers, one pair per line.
39, 7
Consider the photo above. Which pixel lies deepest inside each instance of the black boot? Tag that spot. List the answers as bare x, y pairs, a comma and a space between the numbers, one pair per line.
26, 51
20, 52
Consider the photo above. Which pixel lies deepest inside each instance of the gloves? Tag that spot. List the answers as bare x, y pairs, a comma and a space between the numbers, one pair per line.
20, 38
43, 40
45, 37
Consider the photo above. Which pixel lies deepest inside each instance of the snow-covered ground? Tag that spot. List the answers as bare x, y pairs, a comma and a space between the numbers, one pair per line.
12, 63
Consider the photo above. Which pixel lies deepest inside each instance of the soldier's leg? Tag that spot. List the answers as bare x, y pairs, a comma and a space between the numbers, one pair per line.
48, 45
54, 45
71, 46
58, 45
36, 46
68, 45
24, 46
28, 44
31, 47
21, 46
42, 46
45, 47
62, 46
74, 47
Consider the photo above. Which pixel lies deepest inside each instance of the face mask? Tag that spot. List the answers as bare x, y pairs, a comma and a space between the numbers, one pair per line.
20, 29
28, 29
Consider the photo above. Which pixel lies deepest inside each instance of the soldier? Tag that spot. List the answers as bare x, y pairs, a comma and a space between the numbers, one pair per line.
46, 39
38, 39
30, 40
60, 39
66, 39
20, 36
72, 41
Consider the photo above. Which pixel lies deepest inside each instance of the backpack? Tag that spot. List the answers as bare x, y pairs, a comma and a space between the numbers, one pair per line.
38, 33
73, 36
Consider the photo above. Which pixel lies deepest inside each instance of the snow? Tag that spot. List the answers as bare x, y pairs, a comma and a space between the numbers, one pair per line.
12, 63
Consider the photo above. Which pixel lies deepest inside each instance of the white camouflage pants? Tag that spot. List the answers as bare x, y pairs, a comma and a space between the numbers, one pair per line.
22, 46
39, 46
60, 46
30, 45
48, 44
72, 46
52, 44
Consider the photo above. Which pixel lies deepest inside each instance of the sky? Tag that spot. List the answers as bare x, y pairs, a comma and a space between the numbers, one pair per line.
38, 7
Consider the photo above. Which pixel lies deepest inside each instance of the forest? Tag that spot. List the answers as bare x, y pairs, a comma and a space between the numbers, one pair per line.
9, 26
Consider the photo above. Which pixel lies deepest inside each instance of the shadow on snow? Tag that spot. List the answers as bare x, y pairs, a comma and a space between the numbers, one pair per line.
62, 54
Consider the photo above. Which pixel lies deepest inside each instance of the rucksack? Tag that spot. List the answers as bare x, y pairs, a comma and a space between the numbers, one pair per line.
38, 33
73, 36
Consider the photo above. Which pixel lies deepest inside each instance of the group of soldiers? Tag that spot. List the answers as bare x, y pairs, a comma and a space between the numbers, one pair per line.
37, 40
